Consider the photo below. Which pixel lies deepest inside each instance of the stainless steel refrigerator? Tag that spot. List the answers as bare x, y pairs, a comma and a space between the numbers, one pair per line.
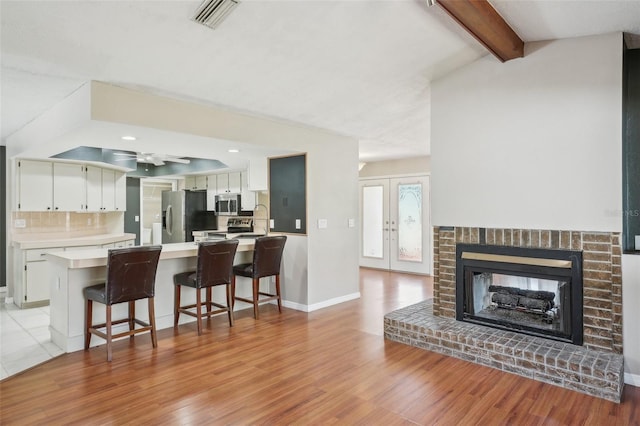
182, 213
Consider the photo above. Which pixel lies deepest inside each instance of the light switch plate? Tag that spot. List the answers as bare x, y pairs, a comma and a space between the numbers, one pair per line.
352, 223
136, 218
322, 223
20, 223
638, 242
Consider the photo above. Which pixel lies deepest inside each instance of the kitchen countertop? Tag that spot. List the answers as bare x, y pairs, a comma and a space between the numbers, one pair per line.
37, 241
74, 259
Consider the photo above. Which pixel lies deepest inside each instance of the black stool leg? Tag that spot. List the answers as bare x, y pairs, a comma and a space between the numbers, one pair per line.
176, 305
152, 323
88, 321
229, 304
256, 289
198, 311
109, 343
132, 316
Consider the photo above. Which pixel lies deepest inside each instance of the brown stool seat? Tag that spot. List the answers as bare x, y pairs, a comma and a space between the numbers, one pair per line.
267, 257
215, 263
131, 275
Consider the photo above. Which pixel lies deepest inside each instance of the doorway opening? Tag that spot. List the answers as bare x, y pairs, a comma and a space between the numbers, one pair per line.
395, 224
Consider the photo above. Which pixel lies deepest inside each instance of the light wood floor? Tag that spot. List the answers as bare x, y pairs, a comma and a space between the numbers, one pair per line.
329, 366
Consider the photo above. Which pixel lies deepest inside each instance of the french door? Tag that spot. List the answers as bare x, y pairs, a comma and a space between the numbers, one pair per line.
395, 224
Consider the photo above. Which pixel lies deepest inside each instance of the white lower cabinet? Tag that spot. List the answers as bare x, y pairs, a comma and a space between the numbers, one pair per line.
32, 277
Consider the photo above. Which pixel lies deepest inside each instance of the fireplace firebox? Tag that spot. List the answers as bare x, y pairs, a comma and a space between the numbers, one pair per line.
528, 290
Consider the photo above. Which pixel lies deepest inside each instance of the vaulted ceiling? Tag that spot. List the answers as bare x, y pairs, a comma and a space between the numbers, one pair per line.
358, 68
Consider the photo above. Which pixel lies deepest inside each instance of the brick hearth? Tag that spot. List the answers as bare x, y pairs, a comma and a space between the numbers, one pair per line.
573, 367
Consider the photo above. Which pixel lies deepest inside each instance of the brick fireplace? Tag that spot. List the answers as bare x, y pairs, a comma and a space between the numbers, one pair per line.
595, 368
602, 274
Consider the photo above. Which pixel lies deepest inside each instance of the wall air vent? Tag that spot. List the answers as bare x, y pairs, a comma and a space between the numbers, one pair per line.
212, 12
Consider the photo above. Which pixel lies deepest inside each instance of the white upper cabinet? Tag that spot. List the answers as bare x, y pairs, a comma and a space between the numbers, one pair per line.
35, 186
235, 183
257, 174
121, 191
195, 182
106, 190
222, 183
248, 198
68, 187
94, 189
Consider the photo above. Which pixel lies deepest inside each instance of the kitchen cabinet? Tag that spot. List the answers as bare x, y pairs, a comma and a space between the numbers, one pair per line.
247, 198
229, 183
257, 174
195, 182
32, 277
106, 190
120, 244
35, 186
68, 187
48, 186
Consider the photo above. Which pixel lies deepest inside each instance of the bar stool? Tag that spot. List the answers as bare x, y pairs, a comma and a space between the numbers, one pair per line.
267, 256
131, 275
215, 263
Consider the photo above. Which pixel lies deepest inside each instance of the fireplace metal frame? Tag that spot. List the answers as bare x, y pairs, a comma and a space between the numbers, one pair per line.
541, 263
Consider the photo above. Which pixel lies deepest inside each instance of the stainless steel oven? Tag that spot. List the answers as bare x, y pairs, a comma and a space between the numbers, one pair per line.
227, 204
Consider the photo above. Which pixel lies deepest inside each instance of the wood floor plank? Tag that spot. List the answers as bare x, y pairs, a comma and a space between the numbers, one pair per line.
330, 366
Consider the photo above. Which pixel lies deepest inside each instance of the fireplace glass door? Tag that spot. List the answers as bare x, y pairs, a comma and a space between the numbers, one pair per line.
528, 290
521, 302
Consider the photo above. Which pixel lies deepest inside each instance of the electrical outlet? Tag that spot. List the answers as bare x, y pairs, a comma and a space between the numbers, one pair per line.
20, 223
352, 223
322, 223
136, 218
298, 224
272, 223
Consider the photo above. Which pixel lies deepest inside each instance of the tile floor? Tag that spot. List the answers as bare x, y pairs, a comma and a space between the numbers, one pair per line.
24, 338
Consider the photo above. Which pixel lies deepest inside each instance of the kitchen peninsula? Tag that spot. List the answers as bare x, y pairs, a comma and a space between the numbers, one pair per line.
71, 271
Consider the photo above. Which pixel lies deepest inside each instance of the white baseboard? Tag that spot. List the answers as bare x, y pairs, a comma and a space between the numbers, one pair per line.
632, 379
316, 306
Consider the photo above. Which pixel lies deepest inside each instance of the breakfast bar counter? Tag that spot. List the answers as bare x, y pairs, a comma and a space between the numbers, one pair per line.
72, 271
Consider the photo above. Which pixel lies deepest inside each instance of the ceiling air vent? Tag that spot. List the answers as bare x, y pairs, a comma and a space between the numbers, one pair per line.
212, 12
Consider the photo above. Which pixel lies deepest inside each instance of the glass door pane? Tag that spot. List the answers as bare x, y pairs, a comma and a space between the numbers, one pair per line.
410, 222
372, 221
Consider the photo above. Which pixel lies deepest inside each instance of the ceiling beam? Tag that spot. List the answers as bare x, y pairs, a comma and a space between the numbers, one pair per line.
482, 21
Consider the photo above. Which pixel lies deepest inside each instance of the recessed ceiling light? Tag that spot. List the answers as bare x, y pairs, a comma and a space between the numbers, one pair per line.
128, 138
234, 150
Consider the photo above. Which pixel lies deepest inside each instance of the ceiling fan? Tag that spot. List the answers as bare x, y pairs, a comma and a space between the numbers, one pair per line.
154, 158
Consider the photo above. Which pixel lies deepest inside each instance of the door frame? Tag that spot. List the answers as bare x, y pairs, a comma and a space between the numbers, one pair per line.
426, 225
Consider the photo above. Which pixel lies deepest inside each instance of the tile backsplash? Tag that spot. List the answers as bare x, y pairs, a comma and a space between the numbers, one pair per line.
70, 223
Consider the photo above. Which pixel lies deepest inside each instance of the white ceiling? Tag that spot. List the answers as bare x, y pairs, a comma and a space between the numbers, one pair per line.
358, 68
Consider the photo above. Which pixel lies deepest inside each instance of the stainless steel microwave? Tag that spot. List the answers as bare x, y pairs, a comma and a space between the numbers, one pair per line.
227, 204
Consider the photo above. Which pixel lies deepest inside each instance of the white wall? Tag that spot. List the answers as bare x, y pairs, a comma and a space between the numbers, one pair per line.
631, 317
534, 142
399, 167
537, 143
